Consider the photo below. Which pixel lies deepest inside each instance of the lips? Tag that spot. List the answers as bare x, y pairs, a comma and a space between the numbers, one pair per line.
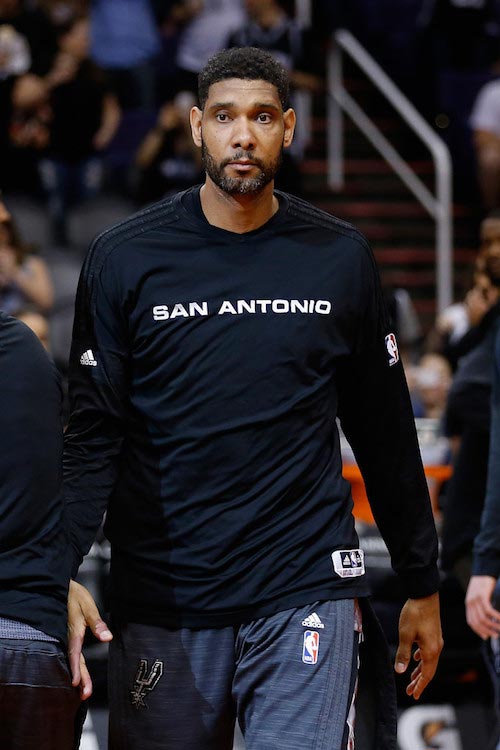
243, 166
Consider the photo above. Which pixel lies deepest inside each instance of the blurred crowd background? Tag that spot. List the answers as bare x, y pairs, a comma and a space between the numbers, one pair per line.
94, 103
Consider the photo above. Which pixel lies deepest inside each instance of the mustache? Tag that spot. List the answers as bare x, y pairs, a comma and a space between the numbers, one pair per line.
243, 155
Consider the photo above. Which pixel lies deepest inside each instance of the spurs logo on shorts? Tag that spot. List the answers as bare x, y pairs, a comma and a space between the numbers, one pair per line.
145, 682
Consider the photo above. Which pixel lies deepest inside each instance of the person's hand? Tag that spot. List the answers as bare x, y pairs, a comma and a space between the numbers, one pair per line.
168, 117
419, 623
477, 305
82, 612
481, 616
64, 69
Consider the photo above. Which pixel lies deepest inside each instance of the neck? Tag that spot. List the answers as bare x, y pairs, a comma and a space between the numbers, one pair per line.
237, 213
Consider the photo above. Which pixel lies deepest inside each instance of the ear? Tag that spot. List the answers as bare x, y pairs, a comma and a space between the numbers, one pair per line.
289, 120
195, 117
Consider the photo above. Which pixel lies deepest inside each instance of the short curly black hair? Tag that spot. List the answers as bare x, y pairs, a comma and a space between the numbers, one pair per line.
248, 63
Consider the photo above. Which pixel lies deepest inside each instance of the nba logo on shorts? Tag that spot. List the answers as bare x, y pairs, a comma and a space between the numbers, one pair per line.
310, 647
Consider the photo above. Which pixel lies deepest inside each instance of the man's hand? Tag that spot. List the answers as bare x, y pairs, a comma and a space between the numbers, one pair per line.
82, 612
481, 616
419, 623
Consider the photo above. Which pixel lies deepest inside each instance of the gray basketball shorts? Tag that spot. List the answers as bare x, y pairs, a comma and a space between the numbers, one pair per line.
39, 708
289, 679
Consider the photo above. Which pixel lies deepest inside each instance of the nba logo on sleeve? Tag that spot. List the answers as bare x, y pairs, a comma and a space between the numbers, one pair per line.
392, 349
310, 647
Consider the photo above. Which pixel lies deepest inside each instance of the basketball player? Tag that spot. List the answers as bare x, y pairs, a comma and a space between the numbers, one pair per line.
218, 335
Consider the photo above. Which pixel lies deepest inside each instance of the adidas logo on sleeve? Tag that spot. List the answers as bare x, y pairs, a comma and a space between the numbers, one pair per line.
88, 359
312, 621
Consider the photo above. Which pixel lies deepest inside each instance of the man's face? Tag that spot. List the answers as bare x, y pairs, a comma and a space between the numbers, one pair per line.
490, 236
242, 132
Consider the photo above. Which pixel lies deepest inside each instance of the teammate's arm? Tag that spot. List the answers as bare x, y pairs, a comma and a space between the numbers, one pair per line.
98, 404
482, 617
93, 440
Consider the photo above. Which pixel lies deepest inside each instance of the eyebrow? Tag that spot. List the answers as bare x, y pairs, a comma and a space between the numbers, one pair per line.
256, 105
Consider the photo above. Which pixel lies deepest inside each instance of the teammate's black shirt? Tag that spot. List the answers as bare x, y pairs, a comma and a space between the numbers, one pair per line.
207, 371
34, 559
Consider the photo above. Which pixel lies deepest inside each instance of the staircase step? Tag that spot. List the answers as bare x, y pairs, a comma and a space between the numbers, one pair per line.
405, 256
379, 209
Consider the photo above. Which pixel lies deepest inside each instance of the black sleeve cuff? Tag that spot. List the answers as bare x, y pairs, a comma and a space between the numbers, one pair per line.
421, 582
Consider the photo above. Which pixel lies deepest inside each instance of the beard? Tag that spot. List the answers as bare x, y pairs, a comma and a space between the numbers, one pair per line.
240, 185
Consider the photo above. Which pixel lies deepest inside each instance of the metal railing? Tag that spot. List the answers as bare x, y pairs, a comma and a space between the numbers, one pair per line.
438, 205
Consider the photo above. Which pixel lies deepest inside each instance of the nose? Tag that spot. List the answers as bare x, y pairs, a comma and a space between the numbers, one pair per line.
243, 136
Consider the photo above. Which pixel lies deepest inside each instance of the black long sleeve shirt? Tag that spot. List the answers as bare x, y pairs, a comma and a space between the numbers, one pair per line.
34, 551
207, 372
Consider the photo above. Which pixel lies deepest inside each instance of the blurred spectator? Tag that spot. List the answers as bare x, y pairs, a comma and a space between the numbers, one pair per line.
431, 383
485, 123
167, 159
15, 55
467, 422
61, 12
27, 43
489, 234
24, 277
31, 113
29, 131
33, 26
85, 117
448, 336
463, 33
125, 43
176, 19
269, 27
205, 35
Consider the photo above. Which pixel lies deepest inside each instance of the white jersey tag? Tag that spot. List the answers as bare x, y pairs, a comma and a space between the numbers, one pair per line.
349, 563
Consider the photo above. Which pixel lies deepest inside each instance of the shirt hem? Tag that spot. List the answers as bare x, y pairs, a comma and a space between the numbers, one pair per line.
141, 613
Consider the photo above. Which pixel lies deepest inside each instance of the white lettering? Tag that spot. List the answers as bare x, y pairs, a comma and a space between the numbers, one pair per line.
263, 304
323, 307
197, 309
281, 305
244, 306
226, 307
241, 307
298, 306
179, 311
160, 312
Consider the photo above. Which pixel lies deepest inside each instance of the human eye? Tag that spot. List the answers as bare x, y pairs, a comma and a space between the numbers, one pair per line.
222, 117
264, 117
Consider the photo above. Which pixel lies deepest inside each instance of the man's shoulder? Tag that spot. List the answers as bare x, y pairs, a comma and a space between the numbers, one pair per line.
125, 234
14, 332
305, 212
157, 214
22, 352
